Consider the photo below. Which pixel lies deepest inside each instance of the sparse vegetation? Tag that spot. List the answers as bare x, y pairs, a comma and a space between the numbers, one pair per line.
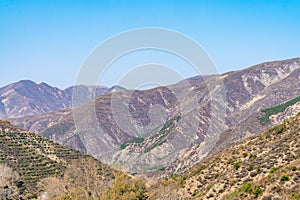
279, 128
272, 170
234, 152
254, 168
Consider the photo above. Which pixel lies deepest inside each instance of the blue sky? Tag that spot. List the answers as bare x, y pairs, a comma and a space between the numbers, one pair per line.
48, 40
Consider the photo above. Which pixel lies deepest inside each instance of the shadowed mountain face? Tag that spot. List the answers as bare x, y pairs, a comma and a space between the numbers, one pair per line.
171, 127
28, 98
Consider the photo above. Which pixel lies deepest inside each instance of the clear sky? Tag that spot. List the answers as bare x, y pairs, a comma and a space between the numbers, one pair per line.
48, 40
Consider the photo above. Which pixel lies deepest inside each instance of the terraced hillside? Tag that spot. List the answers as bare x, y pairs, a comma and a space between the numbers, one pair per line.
33, 158
266, 166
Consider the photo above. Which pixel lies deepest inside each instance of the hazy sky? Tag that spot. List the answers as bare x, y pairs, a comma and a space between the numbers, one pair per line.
48, 40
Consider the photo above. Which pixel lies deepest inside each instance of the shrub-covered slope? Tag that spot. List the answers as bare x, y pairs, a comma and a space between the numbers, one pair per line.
32, 166
266, 166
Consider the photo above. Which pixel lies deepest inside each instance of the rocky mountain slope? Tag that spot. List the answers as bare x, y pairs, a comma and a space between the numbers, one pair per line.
259, 122
264, 166
29, 98
147, 130
253, 125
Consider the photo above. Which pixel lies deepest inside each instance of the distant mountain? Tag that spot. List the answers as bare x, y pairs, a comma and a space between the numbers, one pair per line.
115, 88
265, 166
171, 128
28, 98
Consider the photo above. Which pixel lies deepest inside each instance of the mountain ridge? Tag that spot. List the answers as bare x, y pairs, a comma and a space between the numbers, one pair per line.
26, 97
246, 93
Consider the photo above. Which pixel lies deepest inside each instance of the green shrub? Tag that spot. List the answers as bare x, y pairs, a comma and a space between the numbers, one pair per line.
198, 170
195, 193
294, 168
174, 176
257, 191
247, 187
295, 196
245, 155
217, 175
279, 128
237, 165
284, 178
253, 156
234, 152
182, 180
250, 168
273, 169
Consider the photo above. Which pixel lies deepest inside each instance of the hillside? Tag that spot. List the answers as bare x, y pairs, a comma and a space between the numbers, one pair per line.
208, 107
265, 166
33, 166
258, 122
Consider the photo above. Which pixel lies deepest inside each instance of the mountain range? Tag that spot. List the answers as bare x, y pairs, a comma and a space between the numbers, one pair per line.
170, 128
29, 98
228, 136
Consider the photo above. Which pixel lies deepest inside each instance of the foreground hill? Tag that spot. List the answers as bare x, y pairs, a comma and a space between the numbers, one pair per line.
265, 166
176, 125
32, 166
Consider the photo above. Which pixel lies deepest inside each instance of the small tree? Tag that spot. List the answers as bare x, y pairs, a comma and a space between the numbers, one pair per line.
125, 188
